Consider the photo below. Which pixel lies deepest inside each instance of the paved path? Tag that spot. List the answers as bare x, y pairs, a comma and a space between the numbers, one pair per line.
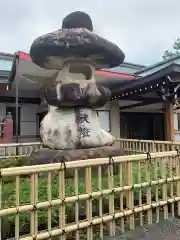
164, 230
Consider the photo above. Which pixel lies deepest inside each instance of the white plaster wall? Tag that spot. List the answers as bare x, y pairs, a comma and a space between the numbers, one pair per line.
106, 107
175, 122
28, 119
2, 110
177, 134
177, 137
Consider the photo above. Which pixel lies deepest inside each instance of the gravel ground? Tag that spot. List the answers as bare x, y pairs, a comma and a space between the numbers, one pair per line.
164, 230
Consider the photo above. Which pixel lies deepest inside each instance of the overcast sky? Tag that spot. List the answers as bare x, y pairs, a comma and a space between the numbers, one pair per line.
142, 29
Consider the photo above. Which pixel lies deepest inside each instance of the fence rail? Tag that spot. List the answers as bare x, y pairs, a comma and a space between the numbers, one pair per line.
104, 195
132, 146
18, 149
136, 146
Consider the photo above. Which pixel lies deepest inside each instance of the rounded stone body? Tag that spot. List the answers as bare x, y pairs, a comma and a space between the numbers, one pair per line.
73, 128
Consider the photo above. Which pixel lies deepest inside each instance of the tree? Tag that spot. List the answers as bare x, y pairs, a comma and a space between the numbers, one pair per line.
176, 47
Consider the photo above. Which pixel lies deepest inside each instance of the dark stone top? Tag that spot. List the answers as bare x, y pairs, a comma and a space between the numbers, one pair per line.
71, 94
81, 43
78, 19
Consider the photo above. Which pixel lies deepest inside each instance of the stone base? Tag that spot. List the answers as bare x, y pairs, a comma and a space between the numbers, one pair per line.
47, 156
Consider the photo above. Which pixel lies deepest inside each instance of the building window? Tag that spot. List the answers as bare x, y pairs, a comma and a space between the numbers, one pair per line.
178, 121
104, 119
5, 65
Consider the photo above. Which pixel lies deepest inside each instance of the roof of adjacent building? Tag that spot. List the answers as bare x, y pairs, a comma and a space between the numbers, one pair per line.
124, 68
158, 66
2, 54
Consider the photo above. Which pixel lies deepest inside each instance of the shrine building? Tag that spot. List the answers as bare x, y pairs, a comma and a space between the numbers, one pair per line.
144, 103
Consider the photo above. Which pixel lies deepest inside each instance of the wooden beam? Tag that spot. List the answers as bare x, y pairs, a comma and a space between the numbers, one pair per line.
169, 122
21, 100
140, 104
140, 98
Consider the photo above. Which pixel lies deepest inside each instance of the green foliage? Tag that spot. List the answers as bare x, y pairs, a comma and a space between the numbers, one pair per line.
13, 162
176, 47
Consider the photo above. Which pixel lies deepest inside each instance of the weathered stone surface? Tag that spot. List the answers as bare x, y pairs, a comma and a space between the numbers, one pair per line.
72, 128
72, 94
47, 156
77, 19
53, 49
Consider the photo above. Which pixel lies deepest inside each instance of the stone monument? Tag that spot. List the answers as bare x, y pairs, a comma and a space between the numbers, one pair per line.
71, 128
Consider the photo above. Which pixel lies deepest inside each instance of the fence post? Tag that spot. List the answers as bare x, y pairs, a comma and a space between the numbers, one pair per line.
88, 176
112, 229
62, 214
1, 237
178, 183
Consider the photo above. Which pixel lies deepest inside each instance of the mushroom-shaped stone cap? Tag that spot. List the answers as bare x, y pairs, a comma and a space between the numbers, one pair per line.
75, 40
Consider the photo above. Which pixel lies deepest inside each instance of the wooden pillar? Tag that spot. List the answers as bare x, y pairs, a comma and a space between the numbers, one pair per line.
115, 120
169, 122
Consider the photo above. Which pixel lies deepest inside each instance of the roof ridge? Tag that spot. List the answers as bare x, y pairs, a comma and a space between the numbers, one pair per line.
6, 54
133, 64
159, 63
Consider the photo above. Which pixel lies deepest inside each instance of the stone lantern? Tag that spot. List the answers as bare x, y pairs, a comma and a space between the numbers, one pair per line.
73, 95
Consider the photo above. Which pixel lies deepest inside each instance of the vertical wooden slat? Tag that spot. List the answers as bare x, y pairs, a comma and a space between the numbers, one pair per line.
121, 195
89, 201
34, 198
5, 152
168, 146
112, 226
1, 182
163, 147
100, 200
142, 144
171, 185
76, 191
164, 187
157, 188
153, 147
20, 150
49, 192
62, 215
135, 148
17, 227
128, 145
140, 148
140, 192
178, 183
148, 190
129, 195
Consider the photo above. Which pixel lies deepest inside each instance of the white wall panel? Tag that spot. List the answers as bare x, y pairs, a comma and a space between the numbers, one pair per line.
28, 128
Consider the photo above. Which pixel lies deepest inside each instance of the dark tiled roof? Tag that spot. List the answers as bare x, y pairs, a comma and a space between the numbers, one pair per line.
161, 63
